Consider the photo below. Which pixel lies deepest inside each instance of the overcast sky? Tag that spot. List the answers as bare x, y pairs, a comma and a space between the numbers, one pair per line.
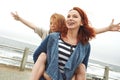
100, 12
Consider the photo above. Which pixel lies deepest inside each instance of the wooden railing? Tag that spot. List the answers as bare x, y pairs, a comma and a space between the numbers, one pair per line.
27, 51
24, 52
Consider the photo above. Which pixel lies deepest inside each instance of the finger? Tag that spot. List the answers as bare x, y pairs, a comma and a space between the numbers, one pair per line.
118, 24
112, 21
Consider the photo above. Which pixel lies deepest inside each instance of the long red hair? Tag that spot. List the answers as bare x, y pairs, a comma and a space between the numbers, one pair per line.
85, 32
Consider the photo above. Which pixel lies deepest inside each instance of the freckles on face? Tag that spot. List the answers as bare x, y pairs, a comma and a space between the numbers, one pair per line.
73, 19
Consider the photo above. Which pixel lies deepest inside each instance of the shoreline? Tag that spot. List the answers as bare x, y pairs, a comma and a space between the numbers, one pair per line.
12, 67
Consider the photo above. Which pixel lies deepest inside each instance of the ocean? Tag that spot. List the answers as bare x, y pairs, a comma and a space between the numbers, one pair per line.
14, 49
11, 50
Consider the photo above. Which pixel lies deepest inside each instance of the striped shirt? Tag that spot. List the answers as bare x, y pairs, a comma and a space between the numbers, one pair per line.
65, 51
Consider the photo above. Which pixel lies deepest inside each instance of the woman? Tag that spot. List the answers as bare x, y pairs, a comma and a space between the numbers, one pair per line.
69, 49
55, 21
111, 27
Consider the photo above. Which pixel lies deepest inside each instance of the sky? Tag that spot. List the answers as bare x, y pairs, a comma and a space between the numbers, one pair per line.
105, 47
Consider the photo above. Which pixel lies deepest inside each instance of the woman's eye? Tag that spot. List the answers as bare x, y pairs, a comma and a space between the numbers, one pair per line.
75, 16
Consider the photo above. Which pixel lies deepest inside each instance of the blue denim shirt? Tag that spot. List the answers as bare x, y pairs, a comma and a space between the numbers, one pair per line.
50, 46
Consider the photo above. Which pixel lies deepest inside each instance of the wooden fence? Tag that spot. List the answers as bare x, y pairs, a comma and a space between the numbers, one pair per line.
24, 61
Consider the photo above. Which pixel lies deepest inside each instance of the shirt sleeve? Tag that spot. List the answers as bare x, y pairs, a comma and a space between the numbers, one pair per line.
41, 32
85, 61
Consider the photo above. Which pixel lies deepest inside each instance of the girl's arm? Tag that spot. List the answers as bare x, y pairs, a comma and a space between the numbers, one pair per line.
27, 23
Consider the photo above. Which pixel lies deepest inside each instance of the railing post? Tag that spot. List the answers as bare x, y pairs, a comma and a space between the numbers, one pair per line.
24, 59
106, 73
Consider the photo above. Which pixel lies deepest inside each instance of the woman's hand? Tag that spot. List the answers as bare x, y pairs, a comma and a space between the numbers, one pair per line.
114, 27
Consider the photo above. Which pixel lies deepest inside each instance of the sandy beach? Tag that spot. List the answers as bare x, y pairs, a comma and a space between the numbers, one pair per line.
8, 72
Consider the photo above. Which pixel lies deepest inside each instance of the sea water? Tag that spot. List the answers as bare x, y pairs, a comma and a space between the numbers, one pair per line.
13, 50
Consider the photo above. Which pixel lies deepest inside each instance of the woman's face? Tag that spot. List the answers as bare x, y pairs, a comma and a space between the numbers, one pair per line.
73, 20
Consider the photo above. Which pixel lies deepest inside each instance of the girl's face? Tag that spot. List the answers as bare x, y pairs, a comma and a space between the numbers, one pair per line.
73, 20
53, 25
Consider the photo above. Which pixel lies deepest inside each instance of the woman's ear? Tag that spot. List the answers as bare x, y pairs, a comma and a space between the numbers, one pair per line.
81, 24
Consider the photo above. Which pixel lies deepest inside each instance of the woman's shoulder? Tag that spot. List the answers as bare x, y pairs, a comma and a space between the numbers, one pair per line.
54, 35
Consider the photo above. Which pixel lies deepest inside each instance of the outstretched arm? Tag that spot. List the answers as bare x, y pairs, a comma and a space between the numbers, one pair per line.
27, 23
111, 27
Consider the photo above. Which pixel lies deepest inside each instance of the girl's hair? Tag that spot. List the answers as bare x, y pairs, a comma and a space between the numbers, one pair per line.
85, 32
59, 21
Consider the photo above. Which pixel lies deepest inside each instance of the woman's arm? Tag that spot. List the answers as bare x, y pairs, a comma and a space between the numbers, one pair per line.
27, 23
41, 48
111, 27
